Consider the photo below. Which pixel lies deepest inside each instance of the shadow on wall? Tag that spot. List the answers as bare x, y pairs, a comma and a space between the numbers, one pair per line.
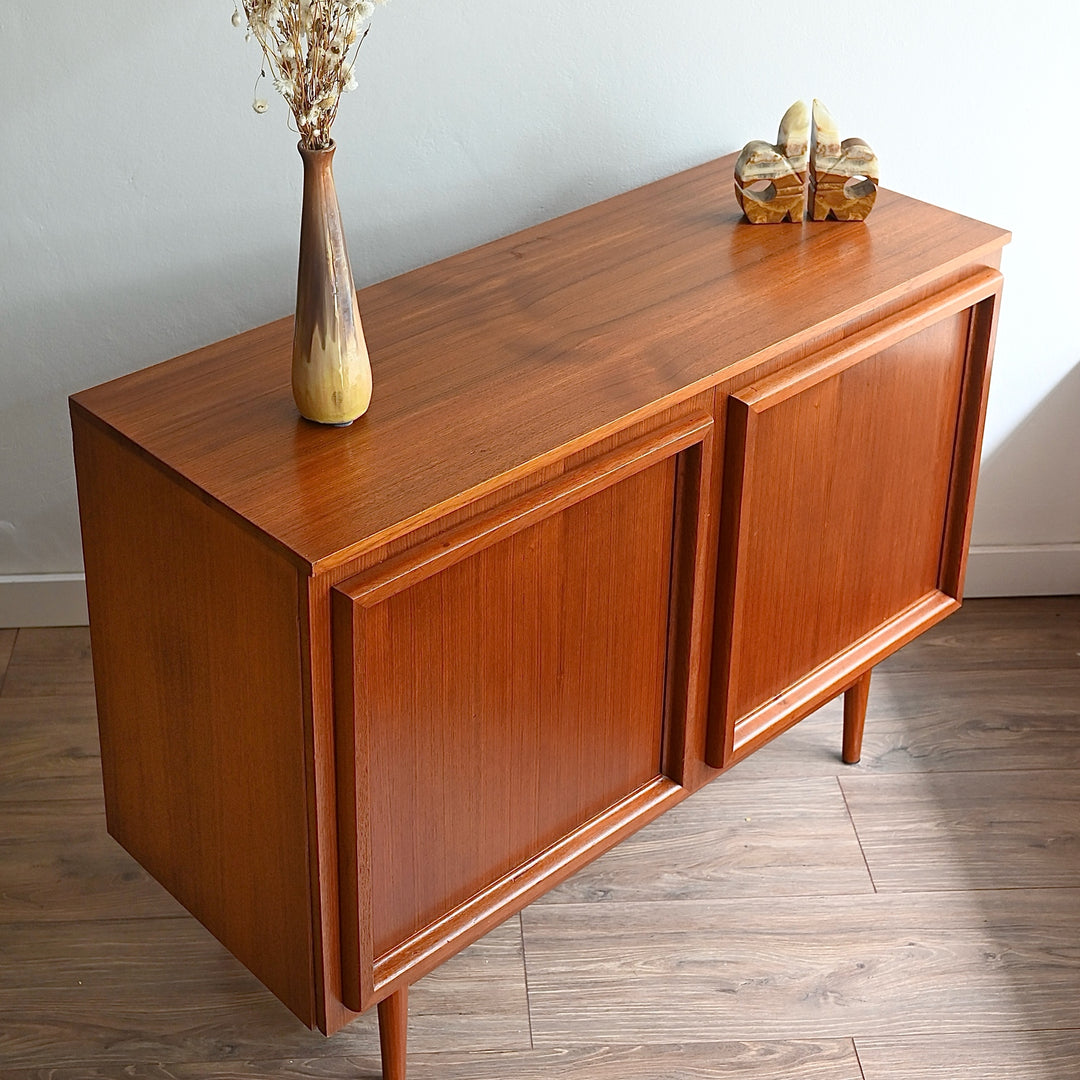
1026, 535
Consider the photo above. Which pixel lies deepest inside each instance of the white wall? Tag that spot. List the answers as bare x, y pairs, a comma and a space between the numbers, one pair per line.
146, 210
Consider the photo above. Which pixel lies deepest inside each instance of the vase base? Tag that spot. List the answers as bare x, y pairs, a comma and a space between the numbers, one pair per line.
328, 423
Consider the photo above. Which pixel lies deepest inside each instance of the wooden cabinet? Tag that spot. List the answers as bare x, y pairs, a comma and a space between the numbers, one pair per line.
638, 489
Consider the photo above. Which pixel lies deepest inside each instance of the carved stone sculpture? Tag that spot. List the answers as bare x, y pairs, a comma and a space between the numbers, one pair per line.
771, 182
843, 175
781, 167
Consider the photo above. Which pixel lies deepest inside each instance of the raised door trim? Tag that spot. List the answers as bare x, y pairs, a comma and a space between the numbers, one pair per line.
367, 978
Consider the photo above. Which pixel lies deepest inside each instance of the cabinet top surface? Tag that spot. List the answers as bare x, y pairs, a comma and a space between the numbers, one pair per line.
488, 362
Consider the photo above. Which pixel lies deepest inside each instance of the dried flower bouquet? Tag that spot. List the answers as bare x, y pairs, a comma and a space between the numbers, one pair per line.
310, 47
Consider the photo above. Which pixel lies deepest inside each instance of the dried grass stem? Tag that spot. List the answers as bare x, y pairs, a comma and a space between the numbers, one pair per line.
310, 48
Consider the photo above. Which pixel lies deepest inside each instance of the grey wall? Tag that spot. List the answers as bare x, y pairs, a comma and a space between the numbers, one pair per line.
145, 210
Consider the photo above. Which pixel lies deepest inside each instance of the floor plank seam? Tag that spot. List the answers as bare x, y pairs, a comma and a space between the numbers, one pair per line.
810, 894
855, 830
858, 1060
17, 924
30, 805
105, 920
525, 974
980, 669
7, 664
976, 772
983, 889
972, 1032
940, 773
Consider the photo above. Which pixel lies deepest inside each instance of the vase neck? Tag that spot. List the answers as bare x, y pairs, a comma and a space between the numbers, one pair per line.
319, 161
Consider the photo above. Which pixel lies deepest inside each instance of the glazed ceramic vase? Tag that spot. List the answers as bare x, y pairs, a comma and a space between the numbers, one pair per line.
331, 375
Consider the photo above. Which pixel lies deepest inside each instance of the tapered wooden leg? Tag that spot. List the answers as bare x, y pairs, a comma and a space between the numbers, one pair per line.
855, 698
393, 1028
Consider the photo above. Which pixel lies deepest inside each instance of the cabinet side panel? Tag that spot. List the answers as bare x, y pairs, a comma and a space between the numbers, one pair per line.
194, 627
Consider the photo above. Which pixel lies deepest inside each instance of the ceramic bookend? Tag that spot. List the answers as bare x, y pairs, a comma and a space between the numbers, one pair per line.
770, 181
843, 175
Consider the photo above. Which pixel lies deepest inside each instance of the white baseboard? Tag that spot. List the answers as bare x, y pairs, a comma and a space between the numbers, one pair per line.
43, 600
1023, 570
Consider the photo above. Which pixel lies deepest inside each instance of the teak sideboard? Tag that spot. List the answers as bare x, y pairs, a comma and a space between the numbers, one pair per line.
639, 488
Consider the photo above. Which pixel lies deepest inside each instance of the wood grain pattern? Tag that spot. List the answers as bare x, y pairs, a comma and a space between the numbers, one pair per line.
57, 862
814, 465
7, 643
50, 661
732, 839
1031, 1055
566, 623
567, 353
962, 831
202, 740
951, 722
108, 994
876, 965
987, 634
963, 721
801, 610
48, 749
821, 1059
550, 603
691, 594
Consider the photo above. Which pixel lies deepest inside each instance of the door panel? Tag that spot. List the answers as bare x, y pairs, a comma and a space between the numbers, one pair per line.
842, 484
513, 696
503, 687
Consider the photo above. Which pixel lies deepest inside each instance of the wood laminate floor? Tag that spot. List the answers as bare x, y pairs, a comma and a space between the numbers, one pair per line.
914, 917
